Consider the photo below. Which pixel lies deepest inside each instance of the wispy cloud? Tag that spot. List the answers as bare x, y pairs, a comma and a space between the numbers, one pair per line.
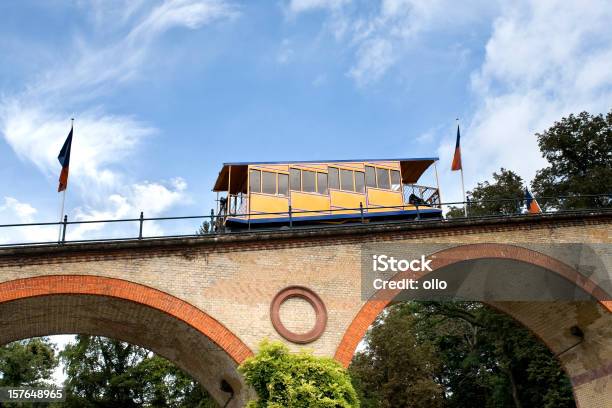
544, 60
295, 7
96, 69
36, 132
13, 211
374, 57
35, 121
380, 33
154, 198
22, 212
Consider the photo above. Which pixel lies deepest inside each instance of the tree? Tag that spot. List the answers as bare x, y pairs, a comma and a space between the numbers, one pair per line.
27, 363
204, 229
103, 372
503, 196
468, 355
297, 380
397, 368
578, 149
512, 367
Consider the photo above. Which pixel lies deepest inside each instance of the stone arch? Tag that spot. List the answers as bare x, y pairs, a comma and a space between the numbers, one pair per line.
381, 299
587, 373
171, 327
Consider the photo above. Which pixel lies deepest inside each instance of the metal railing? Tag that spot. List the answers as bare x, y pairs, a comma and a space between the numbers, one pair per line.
426, 194
215, 224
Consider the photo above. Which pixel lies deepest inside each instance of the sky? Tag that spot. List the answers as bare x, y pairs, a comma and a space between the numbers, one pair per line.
164, 92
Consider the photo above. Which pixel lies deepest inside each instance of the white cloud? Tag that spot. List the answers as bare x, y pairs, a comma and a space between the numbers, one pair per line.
13, 211
176, 13
97, 69
380, 33
111, 12
544, 60
153, 198
22, 212
301, 6
35, 122
429, 135
374, 57
100, 141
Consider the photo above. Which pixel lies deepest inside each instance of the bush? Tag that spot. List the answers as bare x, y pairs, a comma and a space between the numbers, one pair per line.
295, 380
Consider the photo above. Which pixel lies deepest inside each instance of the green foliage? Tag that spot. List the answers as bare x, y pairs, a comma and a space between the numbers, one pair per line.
27, 362
503, 196
108, 373
578, 149
204, 228
397, 369
467, 354
297, 380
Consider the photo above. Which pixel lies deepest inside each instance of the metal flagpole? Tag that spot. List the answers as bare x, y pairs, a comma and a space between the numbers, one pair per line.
61, 216
465, 210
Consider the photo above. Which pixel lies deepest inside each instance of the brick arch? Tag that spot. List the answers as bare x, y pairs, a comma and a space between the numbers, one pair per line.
125, 290
382, 298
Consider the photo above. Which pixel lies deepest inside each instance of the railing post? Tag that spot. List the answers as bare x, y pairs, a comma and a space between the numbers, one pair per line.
212, 220
140, 227
290, 218
65, 224
248, 215
361, 211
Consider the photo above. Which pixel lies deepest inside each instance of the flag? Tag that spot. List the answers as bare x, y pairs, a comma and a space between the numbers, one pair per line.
64, 159
532, 205
457, 158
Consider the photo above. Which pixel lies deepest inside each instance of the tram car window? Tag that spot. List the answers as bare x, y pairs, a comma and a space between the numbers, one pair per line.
322, 183
333, 177
370, 173
283, 184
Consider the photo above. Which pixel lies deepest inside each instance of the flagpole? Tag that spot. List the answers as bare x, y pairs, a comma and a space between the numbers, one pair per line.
465, 211
463, 190
61, 215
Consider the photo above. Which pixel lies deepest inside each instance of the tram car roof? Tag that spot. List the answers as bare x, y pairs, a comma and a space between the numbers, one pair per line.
411, 168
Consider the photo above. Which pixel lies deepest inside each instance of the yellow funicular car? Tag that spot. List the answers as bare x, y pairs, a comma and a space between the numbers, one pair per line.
267, 194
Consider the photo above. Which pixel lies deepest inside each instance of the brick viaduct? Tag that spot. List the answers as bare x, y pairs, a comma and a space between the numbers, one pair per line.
205, 303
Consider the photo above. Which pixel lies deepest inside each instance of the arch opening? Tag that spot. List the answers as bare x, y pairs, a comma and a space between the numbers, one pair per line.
588, 364
455, 354
133, 313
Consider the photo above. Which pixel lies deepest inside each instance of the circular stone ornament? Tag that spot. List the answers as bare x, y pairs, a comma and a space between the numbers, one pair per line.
316, 303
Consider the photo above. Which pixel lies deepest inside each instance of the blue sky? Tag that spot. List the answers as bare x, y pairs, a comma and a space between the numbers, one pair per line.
164, 92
